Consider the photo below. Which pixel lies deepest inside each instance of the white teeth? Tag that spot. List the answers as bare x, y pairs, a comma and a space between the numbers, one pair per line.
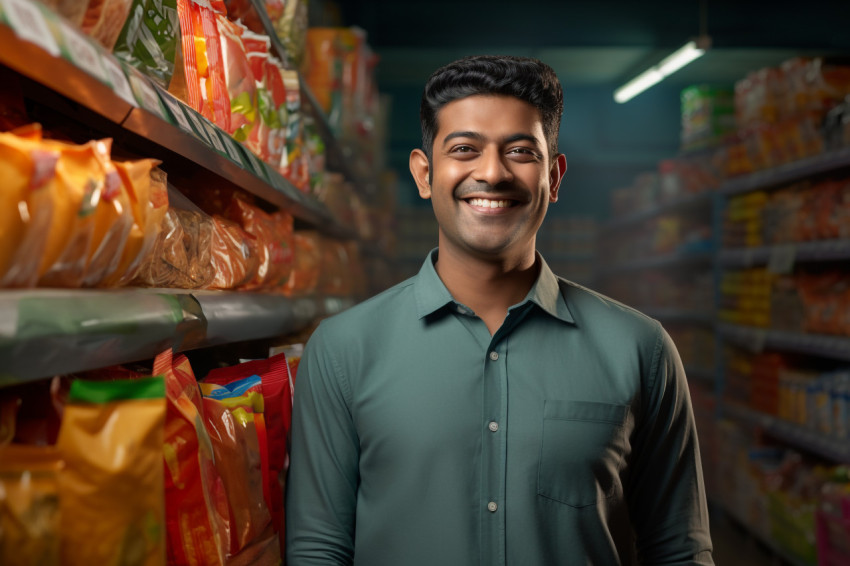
487, 203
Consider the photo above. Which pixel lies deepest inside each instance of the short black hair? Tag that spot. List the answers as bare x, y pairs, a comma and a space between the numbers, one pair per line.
524, 78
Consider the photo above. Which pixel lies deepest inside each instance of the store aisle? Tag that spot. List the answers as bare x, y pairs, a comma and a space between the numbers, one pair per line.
735, 547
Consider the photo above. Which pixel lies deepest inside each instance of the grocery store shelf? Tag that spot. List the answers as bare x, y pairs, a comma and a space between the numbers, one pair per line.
826, 250
678, 315
678, 204
769, 544
788, 172
681, 259
45, 332
804, 438
145, 116
757, 339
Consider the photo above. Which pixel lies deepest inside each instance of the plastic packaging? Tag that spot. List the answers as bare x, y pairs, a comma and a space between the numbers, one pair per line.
308, 256
104, 20
241, 86
150, 39
234, 259
112, 489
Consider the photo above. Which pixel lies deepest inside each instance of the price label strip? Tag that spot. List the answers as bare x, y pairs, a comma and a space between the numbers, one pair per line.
232, 150
146, 94
782, 258
118, 80
82, 53
256, 165
175, 108
198, 126
29, 23
212, 134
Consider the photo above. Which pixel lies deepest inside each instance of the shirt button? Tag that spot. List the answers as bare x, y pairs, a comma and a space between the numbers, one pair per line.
491, 507
494, 356
493, 426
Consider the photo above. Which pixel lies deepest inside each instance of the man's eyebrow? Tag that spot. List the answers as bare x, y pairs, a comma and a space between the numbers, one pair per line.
477, 136
453, 135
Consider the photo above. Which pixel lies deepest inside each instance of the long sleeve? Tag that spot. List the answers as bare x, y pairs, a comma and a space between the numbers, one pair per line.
321, 491
666, 495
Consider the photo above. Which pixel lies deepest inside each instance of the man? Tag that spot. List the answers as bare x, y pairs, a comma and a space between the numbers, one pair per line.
486, 412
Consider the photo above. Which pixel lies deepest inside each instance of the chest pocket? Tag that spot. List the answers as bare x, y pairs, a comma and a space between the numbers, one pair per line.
581, 451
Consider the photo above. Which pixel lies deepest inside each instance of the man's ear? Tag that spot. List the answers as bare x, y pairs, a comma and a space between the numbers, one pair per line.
420, 170
556, 175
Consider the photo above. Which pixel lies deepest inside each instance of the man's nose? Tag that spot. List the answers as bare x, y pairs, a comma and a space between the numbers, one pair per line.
491, 168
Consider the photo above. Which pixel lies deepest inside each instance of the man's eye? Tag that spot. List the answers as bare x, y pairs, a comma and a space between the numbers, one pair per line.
524, 151
462, 149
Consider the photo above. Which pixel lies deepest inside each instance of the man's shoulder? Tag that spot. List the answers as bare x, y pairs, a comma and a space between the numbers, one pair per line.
592, 308
369, 313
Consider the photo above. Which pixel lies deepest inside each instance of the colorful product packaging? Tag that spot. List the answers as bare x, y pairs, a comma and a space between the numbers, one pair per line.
308, 257
241, 86
196, 507
150, 39
112, 490
277, 411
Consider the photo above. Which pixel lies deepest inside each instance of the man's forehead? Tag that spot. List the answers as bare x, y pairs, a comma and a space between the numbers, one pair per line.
473, 114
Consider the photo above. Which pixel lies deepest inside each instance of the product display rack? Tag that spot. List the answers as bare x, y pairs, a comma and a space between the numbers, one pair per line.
44, 332
776, 259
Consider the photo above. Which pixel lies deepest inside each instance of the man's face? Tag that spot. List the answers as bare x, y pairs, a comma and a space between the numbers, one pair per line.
491, 178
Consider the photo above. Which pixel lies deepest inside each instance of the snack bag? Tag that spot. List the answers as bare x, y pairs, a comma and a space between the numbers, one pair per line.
277, 412
28, 170
147, 188
305, 272
292, 163
104, 20
202, 62
234, 420
290, 23
233, 257
257, 49
196, 507
113, 220
241, 87
111, 491
272, 234
278, 115
29, 505
150, 39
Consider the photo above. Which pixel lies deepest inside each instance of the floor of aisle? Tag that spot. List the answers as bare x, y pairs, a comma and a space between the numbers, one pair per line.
733, 546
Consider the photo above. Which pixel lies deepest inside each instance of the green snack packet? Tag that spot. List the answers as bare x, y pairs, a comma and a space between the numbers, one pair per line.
150, 39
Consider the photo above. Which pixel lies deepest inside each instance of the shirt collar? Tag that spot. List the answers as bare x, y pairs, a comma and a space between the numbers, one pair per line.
432, 295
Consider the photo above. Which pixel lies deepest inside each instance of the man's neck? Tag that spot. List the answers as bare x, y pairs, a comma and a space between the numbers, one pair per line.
489, 288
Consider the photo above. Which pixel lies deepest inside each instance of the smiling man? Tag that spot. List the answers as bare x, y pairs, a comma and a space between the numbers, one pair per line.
487, 412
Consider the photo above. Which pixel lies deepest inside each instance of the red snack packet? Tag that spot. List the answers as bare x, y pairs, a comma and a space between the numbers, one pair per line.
277, 397
196, 506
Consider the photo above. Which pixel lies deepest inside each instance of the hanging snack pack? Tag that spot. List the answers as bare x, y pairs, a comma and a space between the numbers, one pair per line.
196, 508
28, 170
234, 420
277, 412
111, 491
29, 505
148, 192
150, 39
241, 87
206, 88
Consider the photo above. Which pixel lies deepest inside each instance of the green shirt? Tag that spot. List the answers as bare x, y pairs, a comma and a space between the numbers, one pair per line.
567, 438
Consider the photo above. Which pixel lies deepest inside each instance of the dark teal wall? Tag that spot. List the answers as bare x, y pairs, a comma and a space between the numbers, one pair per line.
606, 143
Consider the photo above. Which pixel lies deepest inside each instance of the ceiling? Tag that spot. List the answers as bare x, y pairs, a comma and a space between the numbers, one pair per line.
598, 42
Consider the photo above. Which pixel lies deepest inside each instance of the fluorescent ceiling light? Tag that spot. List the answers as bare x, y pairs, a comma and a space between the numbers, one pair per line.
669, 65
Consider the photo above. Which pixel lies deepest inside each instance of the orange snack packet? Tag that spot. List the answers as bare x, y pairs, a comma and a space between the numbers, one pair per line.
112, 491
273, 242
29, 505
28, 170
305, 271
234, 260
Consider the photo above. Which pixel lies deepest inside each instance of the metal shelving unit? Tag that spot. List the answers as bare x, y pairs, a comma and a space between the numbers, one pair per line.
787, 173
823, 250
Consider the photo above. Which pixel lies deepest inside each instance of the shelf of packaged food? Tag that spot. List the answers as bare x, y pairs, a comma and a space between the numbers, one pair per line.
835, 449
44, 332
757, 339
678, 204
788, 173
676, 259
778, 553
133, 105
788, 254
336, 157
665, 314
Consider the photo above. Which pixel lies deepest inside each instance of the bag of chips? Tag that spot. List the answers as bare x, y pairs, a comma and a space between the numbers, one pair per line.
293, 163
308, 256
234, 420
273, 242
233, 257
150, 39
241, 87
277, 412
112, 491
104, 20
29, 505
196, 507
